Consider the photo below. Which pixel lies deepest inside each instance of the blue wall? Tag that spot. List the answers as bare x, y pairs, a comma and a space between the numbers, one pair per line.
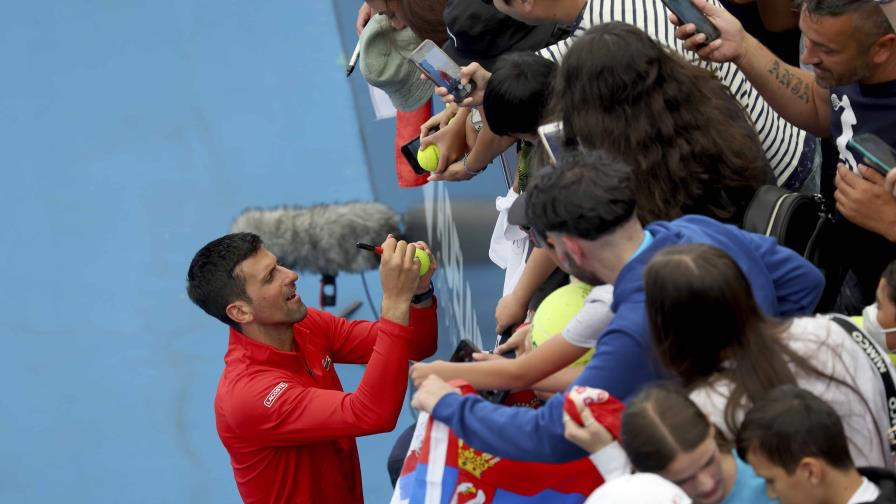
131, 133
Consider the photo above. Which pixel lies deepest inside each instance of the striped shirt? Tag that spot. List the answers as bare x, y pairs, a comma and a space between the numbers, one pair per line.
782, 142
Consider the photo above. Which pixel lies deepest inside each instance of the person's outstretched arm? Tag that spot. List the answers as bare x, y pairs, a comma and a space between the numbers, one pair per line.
621, 365
791, 91
505, 374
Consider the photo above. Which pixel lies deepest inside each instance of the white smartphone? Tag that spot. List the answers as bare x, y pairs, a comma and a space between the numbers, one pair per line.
551, 136
441, 69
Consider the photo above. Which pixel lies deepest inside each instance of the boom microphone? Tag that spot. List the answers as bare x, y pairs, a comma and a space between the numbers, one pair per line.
321, 238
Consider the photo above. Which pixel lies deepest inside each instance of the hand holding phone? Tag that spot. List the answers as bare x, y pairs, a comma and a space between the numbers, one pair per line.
872, 150
687, 12
441, 69
464, 351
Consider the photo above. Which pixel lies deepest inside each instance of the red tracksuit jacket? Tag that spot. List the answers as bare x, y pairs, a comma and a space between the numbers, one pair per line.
284, 419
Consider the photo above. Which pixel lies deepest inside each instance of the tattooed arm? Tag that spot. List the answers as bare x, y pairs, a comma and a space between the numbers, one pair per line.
791, 91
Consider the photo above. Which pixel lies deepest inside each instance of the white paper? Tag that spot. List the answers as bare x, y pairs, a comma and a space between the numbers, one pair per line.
382, 105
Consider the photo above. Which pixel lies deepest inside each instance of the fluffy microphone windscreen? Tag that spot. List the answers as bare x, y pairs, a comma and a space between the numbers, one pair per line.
321, 238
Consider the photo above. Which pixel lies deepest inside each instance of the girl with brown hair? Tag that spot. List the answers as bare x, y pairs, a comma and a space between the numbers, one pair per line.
664, 432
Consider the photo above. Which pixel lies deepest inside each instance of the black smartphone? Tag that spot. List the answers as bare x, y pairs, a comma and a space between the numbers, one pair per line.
409, 151
686, 12
874, 152
441, 69
464, 351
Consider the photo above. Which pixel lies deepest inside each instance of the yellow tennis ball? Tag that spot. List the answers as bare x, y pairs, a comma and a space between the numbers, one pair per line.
429, 157
423, 257
556, 311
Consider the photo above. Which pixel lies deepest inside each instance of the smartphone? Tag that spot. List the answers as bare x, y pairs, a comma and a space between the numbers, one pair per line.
441, 69
551, 136
464, 351
409, 151
686, 12
874, 152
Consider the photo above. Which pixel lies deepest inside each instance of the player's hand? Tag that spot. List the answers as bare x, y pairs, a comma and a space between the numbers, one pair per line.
730, 46
399, 271
423, 284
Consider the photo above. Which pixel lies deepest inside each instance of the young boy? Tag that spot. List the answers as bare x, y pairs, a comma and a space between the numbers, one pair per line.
796, 442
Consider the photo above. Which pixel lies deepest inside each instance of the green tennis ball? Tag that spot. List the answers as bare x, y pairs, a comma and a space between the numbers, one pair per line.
423, 257
429, 157
557, 310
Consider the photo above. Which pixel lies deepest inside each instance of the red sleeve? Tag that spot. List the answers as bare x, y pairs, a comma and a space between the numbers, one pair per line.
425, 326
299, 414
353, 340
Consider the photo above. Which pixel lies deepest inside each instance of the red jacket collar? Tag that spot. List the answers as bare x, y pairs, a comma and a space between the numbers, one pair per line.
241, 346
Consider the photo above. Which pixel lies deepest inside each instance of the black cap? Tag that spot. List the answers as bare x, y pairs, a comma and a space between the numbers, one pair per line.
479, 32
516, 214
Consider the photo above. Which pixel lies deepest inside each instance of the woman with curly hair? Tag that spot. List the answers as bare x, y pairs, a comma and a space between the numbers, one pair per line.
693, 148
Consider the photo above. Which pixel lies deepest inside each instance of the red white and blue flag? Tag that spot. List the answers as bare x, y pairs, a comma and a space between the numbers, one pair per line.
441, 469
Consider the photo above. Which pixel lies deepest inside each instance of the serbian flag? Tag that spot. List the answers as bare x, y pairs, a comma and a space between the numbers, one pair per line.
441, 468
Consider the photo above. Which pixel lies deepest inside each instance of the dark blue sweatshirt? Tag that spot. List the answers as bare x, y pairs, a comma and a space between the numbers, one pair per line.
783, 283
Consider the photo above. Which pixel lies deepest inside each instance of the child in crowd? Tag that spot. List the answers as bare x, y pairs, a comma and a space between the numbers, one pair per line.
545, 368
664, 432
708, 330
879, 319
796, 442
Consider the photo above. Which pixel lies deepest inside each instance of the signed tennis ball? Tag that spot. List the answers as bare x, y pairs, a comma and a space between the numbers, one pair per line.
423, 257
557, 310
429, 157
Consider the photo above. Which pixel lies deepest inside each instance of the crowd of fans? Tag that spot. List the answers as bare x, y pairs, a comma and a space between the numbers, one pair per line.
740, 382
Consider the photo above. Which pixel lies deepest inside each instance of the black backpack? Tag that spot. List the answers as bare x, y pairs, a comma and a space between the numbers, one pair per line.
798, 221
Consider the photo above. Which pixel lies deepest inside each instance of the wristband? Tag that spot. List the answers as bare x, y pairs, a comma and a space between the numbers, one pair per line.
423, 296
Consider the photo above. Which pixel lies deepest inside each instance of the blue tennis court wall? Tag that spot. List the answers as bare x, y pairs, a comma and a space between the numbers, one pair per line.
131, 133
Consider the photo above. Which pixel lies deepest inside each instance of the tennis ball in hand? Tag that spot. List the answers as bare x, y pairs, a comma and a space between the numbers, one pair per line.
429, 157
423, 257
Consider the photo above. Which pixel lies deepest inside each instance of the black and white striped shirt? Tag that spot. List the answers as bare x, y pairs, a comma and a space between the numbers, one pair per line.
781, 141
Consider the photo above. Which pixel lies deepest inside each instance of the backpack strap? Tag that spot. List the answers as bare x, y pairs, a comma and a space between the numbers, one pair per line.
880, 363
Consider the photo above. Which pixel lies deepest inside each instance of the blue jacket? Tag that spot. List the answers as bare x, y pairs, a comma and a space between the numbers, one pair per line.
783, 283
